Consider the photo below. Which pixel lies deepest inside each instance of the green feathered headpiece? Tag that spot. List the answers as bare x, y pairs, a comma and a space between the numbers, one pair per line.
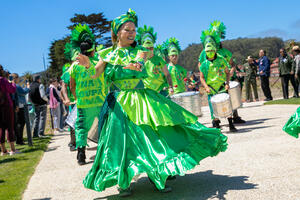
218, 27
171, 47
158, 50
70, 52
146, 36
119, 21
82, 33
210, 40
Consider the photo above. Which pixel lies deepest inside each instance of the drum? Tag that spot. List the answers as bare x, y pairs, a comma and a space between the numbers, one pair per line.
221, 105
235, 94
71, 119
93, 134
190, 101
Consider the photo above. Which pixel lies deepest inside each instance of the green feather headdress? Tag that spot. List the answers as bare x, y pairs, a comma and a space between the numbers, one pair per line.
158, 50
119, 21
171, 47
211, 38
218, 27
82, 33
146, 36
70, 52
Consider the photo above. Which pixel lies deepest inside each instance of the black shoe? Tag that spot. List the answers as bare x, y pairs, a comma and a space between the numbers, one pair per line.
238, 120
81, 156
216, 123
231, 126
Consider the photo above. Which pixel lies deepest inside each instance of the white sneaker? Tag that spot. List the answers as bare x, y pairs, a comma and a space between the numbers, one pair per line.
4, 153
14, 152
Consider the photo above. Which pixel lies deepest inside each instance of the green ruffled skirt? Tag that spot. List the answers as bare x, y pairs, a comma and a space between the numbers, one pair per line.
292, 126
143, 132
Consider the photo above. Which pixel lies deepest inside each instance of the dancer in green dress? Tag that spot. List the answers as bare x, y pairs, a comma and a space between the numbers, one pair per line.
89, 93
158, 74
292, 126
140, 131
178, 73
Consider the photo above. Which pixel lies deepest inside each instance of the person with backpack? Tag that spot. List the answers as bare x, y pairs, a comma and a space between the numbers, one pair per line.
6, 114
39, 100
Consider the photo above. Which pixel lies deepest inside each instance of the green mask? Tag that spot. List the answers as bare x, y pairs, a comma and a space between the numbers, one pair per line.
210, 54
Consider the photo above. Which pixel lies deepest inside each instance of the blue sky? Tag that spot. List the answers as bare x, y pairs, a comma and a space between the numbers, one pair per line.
28, 27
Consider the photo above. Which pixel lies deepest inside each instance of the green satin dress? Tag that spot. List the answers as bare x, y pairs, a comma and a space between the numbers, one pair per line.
292, 126
140, 131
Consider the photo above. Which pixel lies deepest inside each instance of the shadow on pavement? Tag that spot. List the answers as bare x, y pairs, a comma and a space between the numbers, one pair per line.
256, 121
52, 148
246, 130
47, 198
198, 186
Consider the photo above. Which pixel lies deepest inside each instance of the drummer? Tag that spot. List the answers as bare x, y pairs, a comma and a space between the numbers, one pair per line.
178, 73
220, 28
89, 93
214, 72
158, 74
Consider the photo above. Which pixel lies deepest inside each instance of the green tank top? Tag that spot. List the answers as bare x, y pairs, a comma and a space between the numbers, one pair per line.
89, 92
214, 73
178, 74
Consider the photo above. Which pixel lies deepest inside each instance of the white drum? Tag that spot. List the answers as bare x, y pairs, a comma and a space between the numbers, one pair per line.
71, 119
190, 101
221, 105
235, 94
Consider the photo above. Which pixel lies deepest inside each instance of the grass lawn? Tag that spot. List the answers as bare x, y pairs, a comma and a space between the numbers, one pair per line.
284, 101
16, 170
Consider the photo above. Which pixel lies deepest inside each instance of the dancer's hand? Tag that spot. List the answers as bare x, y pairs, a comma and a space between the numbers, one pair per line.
226, 87
207, 89
83, 60
134, 66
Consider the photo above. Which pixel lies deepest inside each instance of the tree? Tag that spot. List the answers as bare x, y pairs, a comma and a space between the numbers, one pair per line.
98, 24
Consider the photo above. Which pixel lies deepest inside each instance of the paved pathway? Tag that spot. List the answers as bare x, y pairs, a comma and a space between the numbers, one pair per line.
261, 163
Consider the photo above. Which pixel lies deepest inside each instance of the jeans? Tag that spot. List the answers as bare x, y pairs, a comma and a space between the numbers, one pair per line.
56, 114
40, 117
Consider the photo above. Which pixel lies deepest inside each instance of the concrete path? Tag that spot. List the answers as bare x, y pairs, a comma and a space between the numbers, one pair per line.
261, 163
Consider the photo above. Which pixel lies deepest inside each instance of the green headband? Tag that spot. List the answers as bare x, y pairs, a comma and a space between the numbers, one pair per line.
146, 36
119, 21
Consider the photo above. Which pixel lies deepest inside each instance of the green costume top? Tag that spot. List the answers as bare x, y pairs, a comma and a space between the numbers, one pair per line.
67, 68
117, 58
156, 78
178, 74
214, 73
89, 92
